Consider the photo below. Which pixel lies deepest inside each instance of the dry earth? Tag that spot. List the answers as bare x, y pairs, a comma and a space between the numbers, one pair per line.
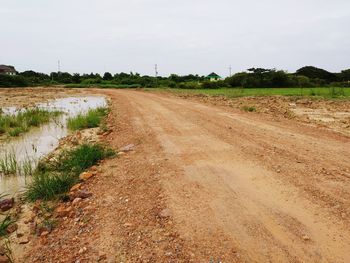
207, 182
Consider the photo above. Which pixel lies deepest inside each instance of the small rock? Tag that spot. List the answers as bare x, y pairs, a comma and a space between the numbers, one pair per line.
82, 250
45, 233
61, 211
85, 176
306, 237
83, 194
76, 200
6, 204
11, 228
75, 187
165, 213
127, 148
127, 224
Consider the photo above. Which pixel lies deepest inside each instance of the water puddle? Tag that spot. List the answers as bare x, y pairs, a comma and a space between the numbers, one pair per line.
38, 142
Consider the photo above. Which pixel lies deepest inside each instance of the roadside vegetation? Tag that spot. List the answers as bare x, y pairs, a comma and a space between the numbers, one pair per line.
307, 76
317, 92
52, 180
15, 124
93, 118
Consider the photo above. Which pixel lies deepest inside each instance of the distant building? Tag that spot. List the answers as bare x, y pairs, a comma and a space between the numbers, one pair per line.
8, 70
213, 77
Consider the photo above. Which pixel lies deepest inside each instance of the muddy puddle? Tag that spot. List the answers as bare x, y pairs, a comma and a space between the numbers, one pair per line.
38, 142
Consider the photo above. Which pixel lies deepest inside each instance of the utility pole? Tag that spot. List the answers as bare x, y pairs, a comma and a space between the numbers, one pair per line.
156, 73
58, 67
230, 69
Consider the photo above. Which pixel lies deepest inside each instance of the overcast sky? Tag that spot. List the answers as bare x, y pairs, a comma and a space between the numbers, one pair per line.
181, 36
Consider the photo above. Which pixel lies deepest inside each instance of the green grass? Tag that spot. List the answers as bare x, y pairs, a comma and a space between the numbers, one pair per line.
9, 165
52, 180
4, 224
324, 92
104, 86
81, 158
93, 118
47, 186
15, 125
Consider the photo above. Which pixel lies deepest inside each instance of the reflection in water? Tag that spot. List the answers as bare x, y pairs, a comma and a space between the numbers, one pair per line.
40, 141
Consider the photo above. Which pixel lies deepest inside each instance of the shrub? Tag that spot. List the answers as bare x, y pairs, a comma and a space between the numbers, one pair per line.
12, 81
188, 85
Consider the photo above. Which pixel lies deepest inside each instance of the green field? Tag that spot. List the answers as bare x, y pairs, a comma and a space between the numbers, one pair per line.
235, 92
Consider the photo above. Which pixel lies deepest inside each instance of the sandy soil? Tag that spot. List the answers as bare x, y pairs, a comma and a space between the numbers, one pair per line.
205, 183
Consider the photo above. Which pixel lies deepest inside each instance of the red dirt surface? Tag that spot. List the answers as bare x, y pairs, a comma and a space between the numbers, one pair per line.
205, 183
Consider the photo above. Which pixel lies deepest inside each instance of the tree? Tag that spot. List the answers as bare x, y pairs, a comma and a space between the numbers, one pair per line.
316, 73
76, 78
107, 76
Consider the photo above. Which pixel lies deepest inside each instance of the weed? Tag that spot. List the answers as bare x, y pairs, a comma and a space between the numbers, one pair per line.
91, 119
6, 222
249, 108
48, 186
53, 180
7, 250
81, 158
8, 163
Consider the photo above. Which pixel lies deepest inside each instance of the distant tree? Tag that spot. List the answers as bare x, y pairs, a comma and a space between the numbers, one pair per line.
76, 78
345, 75
316, 73
107, 76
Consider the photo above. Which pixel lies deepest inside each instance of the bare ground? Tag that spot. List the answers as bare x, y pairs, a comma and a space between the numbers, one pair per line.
208, 182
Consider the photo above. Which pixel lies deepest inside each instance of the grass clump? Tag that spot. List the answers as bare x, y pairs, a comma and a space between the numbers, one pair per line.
8, 163
47, 186
93, 118
53, 180
249, 108
14, 125
4, 224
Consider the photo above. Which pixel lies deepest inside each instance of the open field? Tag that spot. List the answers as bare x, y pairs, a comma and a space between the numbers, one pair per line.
235, 92
204, 179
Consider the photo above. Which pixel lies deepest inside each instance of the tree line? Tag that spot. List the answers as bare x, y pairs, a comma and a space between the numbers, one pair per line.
308, 76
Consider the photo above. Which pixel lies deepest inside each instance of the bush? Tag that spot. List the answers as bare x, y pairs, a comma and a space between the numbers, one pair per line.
213, 84
13, 81
189, 85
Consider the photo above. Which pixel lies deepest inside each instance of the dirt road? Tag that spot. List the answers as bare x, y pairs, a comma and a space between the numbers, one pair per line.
212, 183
